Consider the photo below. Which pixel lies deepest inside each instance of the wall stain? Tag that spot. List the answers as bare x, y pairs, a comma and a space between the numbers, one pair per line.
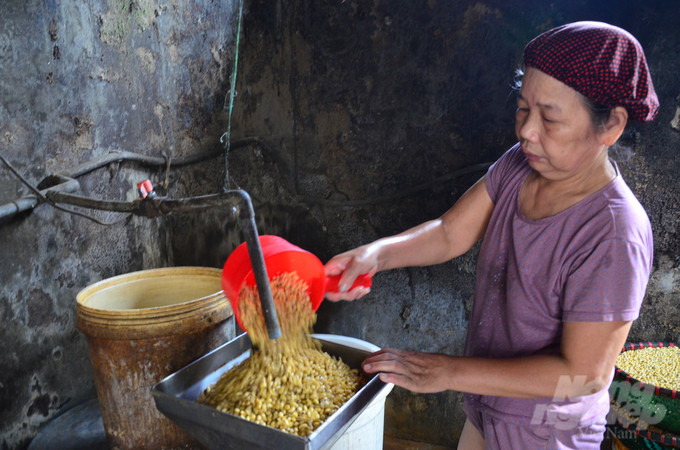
40, 405
40, 307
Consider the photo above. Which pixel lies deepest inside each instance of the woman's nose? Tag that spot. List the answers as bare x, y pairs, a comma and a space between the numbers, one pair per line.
528, 126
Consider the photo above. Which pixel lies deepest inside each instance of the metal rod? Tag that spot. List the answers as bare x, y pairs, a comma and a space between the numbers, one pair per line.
155, 206
247, 219
87, 202
30, 201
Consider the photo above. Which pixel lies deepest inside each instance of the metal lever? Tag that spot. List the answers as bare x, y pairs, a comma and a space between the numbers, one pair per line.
259, 268
238, 200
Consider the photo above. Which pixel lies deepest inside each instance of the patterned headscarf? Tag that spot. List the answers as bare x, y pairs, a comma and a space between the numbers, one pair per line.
601, 61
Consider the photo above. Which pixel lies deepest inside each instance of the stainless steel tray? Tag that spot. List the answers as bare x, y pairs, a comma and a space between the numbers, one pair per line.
176, 395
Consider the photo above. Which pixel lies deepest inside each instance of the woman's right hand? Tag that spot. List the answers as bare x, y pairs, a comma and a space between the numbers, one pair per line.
351, 264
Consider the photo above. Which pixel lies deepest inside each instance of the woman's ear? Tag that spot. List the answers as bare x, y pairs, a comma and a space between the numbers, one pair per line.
615, 126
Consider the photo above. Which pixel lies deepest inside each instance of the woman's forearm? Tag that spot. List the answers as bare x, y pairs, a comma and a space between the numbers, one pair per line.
525, 377
424, 245
579, 369
522, 377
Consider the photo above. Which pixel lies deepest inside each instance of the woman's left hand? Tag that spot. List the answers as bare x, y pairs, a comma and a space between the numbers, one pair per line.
424, 373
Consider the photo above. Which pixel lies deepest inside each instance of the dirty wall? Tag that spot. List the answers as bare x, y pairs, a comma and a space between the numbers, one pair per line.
79, 80
370, 117
373, 112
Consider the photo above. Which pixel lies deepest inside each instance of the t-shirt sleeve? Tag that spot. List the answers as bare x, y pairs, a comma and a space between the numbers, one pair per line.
607, 283
500, 172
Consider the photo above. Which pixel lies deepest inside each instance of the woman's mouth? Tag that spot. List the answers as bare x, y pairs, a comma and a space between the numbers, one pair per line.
530, 156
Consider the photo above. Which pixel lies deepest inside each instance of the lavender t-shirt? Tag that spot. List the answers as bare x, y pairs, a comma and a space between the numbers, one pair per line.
588, 263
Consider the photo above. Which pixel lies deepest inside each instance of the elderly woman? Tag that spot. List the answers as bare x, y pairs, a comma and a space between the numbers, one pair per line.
565, 260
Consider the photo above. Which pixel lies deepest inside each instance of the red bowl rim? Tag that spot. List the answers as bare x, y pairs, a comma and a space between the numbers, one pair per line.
278, 254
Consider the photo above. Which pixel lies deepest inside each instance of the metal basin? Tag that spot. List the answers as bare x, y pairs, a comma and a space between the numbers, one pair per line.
176, 396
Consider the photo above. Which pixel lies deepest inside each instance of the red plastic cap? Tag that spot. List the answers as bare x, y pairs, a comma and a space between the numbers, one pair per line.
145, 187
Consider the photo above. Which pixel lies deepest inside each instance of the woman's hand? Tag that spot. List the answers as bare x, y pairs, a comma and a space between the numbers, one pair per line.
351, 264
424, 373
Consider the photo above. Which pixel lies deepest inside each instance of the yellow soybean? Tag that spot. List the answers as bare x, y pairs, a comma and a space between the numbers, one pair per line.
659, 366
288, 384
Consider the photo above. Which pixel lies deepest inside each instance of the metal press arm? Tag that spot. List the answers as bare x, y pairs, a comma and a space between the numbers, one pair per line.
238, 200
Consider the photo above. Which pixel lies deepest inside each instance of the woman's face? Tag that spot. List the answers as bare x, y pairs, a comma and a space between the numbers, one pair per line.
554, 127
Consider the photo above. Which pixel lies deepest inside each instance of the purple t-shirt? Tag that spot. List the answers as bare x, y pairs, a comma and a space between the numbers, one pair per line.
588, 263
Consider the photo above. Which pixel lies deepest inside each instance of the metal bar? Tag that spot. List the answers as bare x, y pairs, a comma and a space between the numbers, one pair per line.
30, 201
247, 218
92, 203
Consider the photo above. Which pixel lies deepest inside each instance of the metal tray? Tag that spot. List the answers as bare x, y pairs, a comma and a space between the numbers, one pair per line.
176, 395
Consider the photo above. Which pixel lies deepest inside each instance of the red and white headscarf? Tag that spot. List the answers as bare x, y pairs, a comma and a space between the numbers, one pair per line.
601, 61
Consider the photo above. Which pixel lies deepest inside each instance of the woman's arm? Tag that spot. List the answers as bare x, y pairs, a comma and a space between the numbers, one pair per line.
432, 242
588, 355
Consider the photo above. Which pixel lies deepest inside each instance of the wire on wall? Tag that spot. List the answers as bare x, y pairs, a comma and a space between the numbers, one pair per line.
226, 137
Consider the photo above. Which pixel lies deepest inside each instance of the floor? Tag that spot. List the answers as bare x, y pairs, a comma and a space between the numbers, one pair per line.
392, 443
82, 428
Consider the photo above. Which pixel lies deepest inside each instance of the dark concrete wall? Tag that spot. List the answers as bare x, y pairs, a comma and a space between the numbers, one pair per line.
367, 99
355, 101
77, 80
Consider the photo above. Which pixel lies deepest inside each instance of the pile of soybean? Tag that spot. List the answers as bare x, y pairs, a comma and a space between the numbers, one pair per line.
658, 366
289, 383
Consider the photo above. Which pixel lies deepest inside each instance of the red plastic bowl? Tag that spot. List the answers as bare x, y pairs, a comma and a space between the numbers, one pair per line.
280, 256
